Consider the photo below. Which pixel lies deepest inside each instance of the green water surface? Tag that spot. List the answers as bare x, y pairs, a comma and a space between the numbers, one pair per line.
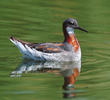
41, 21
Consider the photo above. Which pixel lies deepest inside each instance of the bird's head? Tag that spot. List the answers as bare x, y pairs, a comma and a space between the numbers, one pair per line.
70, 24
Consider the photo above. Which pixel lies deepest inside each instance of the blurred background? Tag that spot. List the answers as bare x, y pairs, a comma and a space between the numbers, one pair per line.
41, 21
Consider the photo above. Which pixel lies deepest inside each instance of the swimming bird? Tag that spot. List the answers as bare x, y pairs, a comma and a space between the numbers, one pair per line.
68, 50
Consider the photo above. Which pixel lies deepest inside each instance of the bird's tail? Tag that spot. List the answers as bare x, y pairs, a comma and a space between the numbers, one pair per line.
26, 50
20, 45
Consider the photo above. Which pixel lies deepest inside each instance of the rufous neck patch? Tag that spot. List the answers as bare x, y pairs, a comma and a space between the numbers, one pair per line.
71, 39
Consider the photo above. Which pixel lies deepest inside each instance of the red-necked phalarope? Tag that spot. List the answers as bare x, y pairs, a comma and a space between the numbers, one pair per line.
69, 50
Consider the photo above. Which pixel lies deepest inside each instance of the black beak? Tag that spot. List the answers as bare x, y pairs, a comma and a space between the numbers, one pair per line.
81, 29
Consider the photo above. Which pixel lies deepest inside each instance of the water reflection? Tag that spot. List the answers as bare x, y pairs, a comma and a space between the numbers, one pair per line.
69, 70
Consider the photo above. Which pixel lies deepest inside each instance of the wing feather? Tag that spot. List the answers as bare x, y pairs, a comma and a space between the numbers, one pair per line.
48, 47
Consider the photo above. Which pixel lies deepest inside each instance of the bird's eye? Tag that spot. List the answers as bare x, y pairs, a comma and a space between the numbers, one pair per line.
71, 23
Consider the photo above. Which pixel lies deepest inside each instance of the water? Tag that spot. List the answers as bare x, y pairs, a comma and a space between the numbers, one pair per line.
63, 69
40, 21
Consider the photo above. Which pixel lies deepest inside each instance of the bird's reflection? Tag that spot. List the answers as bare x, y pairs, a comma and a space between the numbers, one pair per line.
69, 70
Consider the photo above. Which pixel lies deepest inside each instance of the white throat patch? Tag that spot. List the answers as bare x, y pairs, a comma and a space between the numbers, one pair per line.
70, 30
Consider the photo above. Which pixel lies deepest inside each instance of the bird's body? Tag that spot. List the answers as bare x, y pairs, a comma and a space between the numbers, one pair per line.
69, 50
47, 51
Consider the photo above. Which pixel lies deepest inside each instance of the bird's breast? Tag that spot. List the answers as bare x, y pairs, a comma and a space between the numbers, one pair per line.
71, 39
